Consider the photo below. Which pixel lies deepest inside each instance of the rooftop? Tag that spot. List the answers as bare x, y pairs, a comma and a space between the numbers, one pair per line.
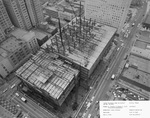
144, 53
11, 44
137, 76
39, 35
51, 8
3, 53
18, 33
140, 63
145, 37
147, 19
143, 44
28, 36
47, 73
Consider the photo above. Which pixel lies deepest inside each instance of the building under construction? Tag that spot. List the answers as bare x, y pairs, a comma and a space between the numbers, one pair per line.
83, 43
49, 75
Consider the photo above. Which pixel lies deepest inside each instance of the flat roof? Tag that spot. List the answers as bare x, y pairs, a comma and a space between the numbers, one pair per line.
142, 64
91, 48
39, 34
147, 20
46, 72
144, 37
18, 32
132, 73
143, 44
144, 53
3, 53
11, 44
51, 8
28, 36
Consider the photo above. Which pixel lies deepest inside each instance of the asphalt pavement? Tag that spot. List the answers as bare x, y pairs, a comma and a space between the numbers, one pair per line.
31, 107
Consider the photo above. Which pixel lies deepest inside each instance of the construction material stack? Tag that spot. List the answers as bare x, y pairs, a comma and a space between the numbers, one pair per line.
49, 75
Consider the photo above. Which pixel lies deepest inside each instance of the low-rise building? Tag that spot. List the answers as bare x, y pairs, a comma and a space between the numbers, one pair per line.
13, 53
31, 40
65, 15
41, 37
137, 68
28, 37
5, 65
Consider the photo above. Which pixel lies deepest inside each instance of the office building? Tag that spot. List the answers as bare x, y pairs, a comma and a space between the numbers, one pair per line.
24, 14
108, 12
5, 21
13, 53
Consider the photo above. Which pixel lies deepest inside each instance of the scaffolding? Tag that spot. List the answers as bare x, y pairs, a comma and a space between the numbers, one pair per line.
81, 42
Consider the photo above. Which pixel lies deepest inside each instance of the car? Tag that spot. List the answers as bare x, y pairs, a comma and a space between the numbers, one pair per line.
92, 98
18, 105
113, 77
17, 94
83, 115
23, 99
122, 44
118, 96
107, 69
118, 49
5, 90
13, 86
91, 87
89, 116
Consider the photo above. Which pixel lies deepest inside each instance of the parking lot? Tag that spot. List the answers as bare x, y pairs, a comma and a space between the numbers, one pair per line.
121, 93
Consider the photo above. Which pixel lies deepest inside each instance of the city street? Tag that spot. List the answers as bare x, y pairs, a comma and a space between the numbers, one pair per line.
114, 66
31, 107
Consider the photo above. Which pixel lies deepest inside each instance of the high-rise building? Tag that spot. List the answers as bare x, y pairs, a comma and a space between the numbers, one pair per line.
108, 12
5, 21
24, 13
2, 34
35, 11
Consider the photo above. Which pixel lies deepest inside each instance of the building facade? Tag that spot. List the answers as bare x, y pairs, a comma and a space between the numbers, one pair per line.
31, 41
2, 35
24, 13
108, 12
5, 65
5, 21
35, 11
